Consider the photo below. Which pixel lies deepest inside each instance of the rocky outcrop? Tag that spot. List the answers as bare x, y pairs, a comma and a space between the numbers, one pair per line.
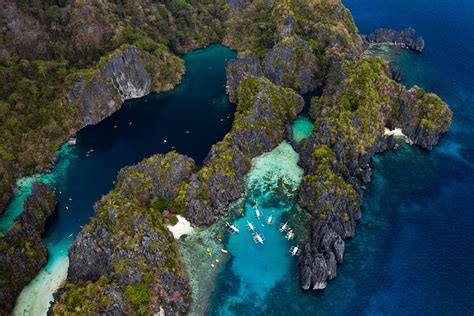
423, 117
395, 71
263, 110
291, 63
126, 252
128, 73
239, 69
359, 101
22, 252
404, 38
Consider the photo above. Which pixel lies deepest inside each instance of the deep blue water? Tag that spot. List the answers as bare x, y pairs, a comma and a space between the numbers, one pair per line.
191, 118
414, 247
198, 106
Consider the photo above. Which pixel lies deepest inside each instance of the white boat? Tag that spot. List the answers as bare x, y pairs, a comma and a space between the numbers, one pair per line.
224, 250
269, 219
290, 235
250, 226
258, 214
232, 228
258, 238
72, 141
295, 251
283, 227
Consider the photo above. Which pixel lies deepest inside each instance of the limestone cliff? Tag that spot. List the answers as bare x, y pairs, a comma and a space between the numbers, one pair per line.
405, 38
125, 260
263, 110
128, 73
358, 103
22, 252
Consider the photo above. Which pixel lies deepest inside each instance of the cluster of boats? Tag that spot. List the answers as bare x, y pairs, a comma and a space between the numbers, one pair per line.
259, 238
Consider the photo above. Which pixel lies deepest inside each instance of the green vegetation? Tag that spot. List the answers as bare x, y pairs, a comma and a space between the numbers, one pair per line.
323, 23
434, 115
89, 298
132, 210
57, 41
263, 110
355, 115
138, 296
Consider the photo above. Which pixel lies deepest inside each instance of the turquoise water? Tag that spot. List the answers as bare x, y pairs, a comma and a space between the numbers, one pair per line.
191, 117
413, 250
15, 207
302, 127
254, 269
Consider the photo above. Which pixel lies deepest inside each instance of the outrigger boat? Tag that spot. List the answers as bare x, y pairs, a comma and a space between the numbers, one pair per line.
231, 228
250, 226
290, 235
283, 227
269, 219
258, 238
258, 214
295, 251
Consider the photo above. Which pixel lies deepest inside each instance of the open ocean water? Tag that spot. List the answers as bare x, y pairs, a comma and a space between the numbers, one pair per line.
413, 252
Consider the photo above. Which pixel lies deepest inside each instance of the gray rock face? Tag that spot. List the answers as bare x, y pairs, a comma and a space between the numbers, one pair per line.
22, 252
209, 198
404, 38
238, 69
288, 28
121, 78
237, 4
99, 250
292, 64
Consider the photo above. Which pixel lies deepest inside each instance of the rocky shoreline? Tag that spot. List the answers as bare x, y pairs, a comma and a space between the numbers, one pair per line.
404, 39
22, 251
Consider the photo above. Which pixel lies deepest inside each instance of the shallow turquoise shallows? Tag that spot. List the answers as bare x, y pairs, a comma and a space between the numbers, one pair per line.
302, 127
413, 251
254, 268
191, 118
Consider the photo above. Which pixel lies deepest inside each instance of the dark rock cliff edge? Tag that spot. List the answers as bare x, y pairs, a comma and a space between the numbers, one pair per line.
405, 38
22, 252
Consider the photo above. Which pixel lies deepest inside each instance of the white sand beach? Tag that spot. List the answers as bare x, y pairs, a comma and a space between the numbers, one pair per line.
182, 227
35, 298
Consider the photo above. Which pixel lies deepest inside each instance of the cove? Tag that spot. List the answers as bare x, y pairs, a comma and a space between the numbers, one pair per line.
253, 269
412, 252
191, 118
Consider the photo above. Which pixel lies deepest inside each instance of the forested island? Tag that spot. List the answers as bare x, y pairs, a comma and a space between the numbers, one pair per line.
68, 65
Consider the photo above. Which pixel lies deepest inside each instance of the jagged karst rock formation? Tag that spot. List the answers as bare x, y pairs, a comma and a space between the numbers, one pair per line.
358, 102
125, 261
128, 73
404, 38
291, 63
22, 252
263, 109
60, 49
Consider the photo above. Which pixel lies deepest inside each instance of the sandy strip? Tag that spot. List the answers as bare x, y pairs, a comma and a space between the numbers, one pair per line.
182, 227
35, 298
397, 132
